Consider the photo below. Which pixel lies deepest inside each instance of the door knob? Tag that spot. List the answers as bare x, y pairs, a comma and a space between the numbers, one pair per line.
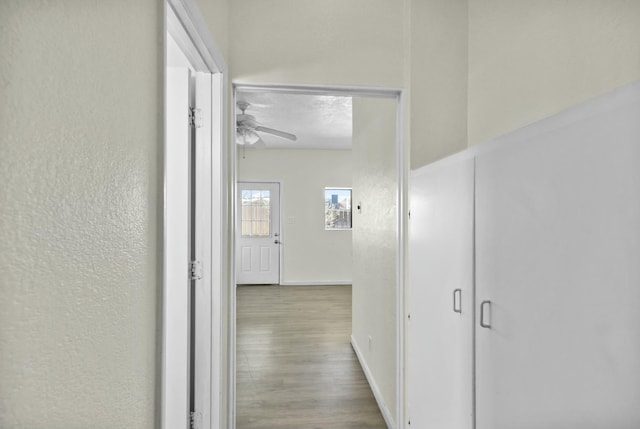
457, 300
484, 324
277, 241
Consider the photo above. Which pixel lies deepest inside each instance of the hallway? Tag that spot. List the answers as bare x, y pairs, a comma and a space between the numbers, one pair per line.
295, 366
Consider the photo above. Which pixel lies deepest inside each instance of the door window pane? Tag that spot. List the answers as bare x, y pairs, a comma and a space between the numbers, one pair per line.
337, 208
255, 217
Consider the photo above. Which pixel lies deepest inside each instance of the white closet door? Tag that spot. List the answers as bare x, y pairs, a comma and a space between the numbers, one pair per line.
439, 367
558, 256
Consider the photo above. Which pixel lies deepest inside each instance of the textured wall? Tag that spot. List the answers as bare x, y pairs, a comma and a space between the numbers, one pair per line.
375, 240
311, 254
80, 114
530, 59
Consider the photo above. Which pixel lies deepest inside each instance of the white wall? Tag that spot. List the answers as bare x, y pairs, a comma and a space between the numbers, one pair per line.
531, 59
475, 68
331, 42
438, 79
216, 15
80, 114
335, 42
375, 241
80, 204
485, 67
311, 254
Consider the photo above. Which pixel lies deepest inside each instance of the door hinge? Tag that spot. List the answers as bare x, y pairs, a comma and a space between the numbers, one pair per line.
195, 268
196, 420
196, 118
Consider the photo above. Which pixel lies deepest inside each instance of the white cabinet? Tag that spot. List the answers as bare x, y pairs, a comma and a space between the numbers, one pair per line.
555, 242
558, 256
440, 299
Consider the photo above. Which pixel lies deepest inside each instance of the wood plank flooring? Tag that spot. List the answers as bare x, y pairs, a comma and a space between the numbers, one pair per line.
295, 366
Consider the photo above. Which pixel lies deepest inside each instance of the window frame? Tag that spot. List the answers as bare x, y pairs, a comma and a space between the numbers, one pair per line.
252, 220
338, 188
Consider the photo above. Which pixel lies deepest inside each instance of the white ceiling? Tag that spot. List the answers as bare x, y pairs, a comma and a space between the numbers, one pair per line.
319, 121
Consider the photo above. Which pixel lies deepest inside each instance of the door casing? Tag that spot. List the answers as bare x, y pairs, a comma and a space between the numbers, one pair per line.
402, 157
184, 22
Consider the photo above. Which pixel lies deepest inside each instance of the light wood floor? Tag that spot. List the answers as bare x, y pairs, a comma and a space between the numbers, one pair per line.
295, 366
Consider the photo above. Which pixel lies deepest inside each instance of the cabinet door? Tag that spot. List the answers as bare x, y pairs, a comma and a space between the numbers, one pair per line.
439, 360
558, 257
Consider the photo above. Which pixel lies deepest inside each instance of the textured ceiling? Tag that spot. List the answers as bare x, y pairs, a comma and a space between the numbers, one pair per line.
319, 121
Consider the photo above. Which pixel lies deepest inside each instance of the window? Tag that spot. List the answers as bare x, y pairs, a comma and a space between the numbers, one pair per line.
256, 213
337, 208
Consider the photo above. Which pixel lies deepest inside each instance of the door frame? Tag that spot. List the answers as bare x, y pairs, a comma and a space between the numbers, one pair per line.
184, 22
280, 217
402, 166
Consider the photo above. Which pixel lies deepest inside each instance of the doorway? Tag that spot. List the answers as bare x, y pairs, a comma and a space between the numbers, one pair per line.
258, 233
377, 331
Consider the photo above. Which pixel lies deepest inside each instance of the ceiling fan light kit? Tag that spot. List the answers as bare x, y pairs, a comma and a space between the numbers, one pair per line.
246, 136
247, 129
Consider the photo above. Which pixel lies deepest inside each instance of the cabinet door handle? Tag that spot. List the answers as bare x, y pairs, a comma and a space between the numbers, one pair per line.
457, 300
482, 314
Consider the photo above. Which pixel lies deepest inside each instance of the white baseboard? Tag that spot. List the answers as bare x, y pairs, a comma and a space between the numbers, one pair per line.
386, 414
318, 283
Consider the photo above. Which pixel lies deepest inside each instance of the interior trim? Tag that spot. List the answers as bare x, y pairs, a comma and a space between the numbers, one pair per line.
317, 283
402, 157
384, 410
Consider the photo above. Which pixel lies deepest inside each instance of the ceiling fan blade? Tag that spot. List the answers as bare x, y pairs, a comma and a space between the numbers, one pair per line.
278, 133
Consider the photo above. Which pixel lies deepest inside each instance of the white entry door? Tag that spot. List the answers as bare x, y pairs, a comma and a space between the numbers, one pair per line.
258, 233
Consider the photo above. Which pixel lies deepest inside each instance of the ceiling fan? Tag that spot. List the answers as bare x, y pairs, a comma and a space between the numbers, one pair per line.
247, 129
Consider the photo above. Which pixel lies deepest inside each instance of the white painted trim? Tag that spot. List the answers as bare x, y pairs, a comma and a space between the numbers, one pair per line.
218, 247
180, 37
402, 159
205, 361
402, 211
195, 28
281, 232
226, 273
175, 315
183, 19
233, 189
386, 414
317, 283
338, 90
